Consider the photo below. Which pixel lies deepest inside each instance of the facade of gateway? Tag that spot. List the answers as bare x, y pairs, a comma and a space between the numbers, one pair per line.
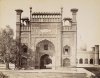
47, 41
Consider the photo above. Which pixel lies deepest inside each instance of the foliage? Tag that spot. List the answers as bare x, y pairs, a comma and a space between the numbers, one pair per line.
11, 50
6, 37
14, 51
7, 43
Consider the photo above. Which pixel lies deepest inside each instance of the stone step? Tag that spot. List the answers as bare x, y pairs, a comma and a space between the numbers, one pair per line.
42, 74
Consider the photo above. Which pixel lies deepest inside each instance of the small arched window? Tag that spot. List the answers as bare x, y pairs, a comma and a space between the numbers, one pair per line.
81, 61
91, 61
46, 47
25, 48
66, 50
86, 61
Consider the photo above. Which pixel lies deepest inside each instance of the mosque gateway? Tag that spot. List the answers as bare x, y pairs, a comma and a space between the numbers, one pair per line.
48, 42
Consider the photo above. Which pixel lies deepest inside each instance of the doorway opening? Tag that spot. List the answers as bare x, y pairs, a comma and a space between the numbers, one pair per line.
45, 62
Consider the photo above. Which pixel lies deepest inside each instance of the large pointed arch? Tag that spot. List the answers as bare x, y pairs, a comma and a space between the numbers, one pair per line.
42, 48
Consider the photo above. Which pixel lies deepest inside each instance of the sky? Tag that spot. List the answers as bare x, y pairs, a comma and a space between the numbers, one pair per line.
88, 15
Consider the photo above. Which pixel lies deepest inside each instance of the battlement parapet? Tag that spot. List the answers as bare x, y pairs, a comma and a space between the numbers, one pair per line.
46, 17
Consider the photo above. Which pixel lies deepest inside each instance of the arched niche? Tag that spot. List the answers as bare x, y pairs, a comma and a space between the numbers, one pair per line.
66, 62
86, 61
24, 48
23, 62
66, 50
91, 61
80, 61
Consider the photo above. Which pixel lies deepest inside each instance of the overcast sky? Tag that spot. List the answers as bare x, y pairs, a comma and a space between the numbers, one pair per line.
88, 16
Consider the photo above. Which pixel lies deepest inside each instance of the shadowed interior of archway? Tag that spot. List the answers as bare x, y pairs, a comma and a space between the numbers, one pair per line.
44, 61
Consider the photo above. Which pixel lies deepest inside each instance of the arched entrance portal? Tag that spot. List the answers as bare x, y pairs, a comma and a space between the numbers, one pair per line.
44, 55
45, 61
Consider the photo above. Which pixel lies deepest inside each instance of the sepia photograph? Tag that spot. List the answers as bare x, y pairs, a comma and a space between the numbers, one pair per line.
49, 39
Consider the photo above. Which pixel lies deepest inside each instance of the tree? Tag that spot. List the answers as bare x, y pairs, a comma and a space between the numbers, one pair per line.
14, 53
6, 38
